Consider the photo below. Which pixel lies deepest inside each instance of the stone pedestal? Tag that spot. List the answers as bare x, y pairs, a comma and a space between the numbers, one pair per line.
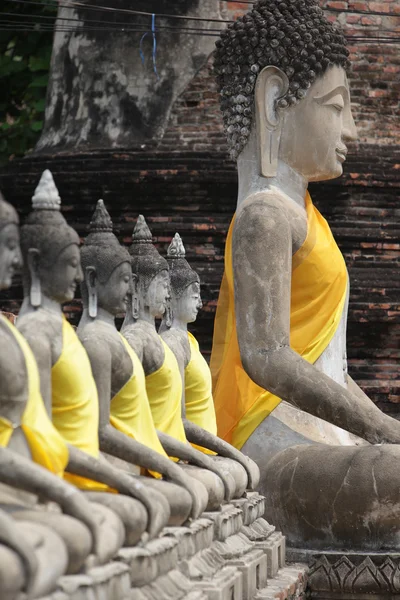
351, 575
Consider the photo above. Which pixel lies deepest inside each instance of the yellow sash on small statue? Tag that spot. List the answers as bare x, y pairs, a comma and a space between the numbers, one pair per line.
75, 404
318, 295
45, 443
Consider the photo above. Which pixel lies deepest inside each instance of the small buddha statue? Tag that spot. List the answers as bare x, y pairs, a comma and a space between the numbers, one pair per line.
126, 428
60, 544
52, 270
163, 376
281, 388
200, 421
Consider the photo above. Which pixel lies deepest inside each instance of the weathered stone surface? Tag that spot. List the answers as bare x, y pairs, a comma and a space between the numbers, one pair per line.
100, 95
337, 574
289, 584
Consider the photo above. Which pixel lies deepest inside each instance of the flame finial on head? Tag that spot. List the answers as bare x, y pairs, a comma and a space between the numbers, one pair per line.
101, 220
141, 232
46, 196
176, 248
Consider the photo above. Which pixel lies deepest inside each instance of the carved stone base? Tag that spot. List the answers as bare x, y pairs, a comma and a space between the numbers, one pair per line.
172, 586
148, 563
271, 542
227, 521
227, 584
352, 575
289, 584
110, 581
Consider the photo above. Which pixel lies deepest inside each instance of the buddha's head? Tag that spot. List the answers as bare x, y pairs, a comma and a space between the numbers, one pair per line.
50, 248
10, 253
151, 292
281, 71
107, 267
185, 283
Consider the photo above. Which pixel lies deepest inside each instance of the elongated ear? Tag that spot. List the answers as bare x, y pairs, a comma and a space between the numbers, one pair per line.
35, 293
134, 292
91, 283
272, 84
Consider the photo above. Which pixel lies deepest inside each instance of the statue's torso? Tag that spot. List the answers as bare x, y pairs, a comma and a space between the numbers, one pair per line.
287, 425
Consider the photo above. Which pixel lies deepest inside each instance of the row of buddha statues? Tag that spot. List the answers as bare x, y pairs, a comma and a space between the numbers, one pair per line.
116, 429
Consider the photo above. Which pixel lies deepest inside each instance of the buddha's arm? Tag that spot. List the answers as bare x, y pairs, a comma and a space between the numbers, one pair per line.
118, 444
23, 474
81, 463
40, 345
10, 536
201, 437
262, 267
187, 453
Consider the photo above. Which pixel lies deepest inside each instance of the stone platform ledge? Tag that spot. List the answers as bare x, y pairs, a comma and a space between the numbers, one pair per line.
289, 584
107, 582
350, 575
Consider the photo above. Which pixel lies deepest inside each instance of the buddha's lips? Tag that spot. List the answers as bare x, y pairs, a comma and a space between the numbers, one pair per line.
341, 153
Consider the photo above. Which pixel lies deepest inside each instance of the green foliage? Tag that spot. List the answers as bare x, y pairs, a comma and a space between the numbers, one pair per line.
24, 68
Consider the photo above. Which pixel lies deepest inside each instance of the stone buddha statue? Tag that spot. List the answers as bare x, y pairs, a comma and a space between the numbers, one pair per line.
51, 273
163, 376
282, 391
50, 544
126, 428
199, 420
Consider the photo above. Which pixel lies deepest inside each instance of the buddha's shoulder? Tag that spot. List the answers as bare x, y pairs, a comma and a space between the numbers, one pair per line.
41, 324
266, 205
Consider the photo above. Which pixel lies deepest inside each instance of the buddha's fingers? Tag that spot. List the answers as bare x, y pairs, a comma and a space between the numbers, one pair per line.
10, 536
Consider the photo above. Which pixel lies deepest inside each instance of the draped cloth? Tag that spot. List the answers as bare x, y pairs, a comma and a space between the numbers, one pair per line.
318, 294
130, 410
164, 390
45, 443
75, 404
199, 401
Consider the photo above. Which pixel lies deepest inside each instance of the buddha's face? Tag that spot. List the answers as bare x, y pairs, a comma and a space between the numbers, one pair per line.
158, 294
60, 280
188, 304
113, 295
10, 254
316, 130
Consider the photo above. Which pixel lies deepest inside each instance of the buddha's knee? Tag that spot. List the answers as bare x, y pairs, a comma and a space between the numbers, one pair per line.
112, 532
51, 554
75, 535
179, 499
131, 512
211, 481
237, 471
12, 574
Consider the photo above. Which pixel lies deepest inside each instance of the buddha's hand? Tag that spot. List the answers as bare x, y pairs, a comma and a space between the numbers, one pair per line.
80, 508
196, 489
10, 535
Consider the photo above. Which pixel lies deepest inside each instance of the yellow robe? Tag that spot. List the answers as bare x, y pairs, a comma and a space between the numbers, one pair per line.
164, 390
45, 443
199, 401
75, 405
318, 295
130, 410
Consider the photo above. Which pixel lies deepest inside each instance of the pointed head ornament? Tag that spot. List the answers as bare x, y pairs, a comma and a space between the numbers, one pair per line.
45, 228
181, 273
102, 249
147, 262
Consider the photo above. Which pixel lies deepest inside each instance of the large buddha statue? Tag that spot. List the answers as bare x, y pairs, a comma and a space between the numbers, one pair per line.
163, 375
52, 270
199, 418
282, 391
126, 428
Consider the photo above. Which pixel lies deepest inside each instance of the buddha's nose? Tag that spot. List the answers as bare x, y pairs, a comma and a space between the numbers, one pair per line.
349, 132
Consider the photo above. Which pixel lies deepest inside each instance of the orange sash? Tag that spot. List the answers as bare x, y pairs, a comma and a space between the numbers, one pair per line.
318, 294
